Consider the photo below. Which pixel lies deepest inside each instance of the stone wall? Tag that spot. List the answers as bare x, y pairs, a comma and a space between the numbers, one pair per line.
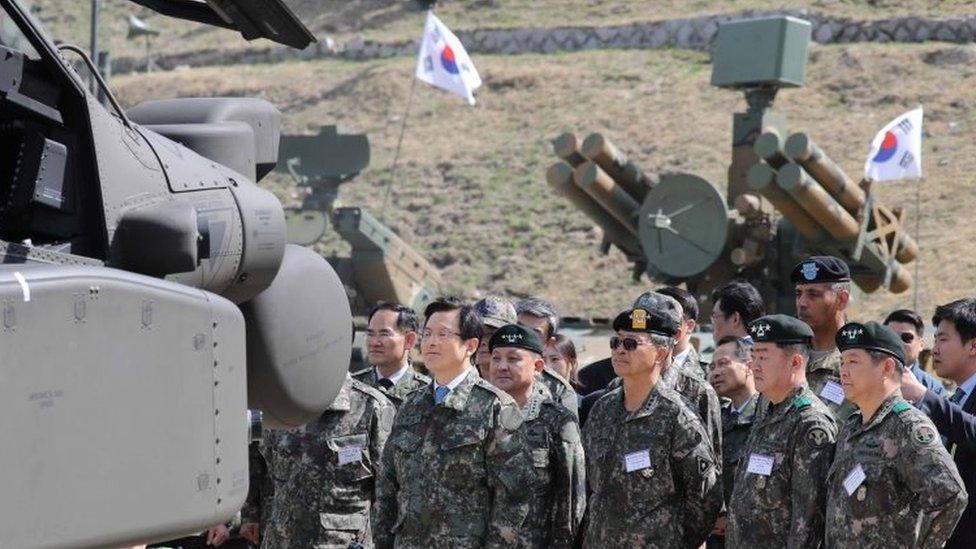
691, 32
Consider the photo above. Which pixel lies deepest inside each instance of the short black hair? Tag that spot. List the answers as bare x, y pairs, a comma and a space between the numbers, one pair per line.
743, 346
470, 323
961, 313
738, 296
406, 317
907, 316
689, 305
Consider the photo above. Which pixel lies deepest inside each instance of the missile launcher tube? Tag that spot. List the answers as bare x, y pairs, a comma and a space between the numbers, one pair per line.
762, 179
605, 191
617, 165
566, 146
907, 249
807, 154
818, 203
769, 147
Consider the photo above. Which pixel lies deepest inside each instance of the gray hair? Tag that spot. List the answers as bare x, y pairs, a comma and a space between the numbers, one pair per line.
539, 308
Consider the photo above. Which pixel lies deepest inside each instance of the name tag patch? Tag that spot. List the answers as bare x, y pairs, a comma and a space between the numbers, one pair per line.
760, 464
854, 479
635, 461
833, 392
350, 454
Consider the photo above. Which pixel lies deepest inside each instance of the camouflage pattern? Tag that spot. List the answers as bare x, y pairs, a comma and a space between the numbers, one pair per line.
552, 438
786, 507
561, 390
671, 503
694, 365
408, 383
259, 487
824, 367
912, 495
454, 474
702, 399
323, 474
735, 434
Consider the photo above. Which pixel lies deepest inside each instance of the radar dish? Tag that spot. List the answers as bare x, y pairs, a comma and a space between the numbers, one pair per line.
683, 225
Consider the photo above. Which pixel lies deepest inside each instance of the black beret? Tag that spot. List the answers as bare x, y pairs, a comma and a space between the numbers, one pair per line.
870, 337
642, 320
820, 268
780, 329
514, 335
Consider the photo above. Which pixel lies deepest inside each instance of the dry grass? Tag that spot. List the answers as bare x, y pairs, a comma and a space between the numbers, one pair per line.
469, 192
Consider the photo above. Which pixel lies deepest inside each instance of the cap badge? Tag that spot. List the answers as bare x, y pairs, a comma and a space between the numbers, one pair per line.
809, 270
851, 334
761, 329
511, 338
638, 319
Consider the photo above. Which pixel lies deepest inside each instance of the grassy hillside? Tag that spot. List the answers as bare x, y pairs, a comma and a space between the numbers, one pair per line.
469, 191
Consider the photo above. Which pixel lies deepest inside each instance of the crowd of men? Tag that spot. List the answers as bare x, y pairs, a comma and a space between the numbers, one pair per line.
807, 431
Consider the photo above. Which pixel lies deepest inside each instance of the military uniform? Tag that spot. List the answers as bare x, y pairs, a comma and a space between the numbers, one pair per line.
694, 365
454, 474
778, 494
561, 390
702, 399
552, 438
823, 377
652, 475
409, 382
735, 433
892, 482
323, 474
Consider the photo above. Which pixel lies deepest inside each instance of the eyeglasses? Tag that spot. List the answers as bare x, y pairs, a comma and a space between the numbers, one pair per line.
907, 337
629, 343
443, 334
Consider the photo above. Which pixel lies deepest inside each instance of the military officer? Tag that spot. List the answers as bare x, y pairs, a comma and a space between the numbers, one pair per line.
390, 336
823, 292
892, 482
541, 317
551, 436
652, 475
495, 312
778, 497
322, 475
454, 470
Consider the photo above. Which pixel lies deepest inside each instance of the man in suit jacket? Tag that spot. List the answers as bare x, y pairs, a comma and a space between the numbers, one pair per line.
954, 355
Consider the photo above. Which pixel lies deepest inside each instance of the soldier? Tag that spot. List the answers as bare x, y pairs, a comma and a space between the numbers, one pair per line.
735, 305
552, 438
390, 336
910, 327
454, 471
541, 317
495, 312
732, 378
823, 291
322, 475
652, 475
778, 494
892, 482
685, 355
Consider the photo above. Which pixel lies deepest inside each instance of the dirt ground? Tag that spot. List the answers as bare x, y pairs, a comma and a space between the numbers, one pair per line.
469, 191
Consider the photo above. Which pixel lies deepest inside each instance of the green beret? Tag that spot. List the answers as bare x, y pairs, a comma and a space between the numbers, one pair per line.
780, 329
820, 268
870, 337
655, 321
514, 335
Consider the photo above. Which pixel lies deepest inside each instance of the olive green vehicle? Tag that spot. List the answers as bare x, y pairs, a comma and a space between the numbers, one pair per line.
148, 295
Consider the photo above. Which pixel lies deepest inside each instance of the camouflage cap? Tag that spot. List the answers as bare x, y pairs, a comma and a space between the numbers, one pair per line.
780, 329
870, 336
654, 321
495, 311
663, 304
516, 335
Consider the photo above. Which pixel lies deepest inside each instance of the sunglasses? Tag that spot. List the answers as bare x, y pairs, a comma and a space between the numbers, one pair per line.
907, 337
629, 343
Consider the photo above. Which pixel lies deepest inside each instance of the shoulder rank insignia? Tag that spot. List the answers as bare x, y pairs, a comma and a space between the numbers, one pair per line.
801, 402
901, 407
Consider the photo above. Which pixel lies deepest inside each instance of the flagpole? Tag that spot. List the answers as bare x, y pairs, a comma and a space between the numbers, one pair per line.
918, 240
396, 155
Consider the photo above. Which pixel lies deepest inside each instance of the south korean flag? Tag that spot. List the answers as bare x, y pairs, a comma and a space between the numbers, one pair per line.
896, 152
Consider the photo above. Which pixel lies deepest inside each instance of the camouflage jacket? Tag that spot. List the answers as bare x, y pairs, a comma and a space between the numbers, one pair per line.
735, 434
892, 482
694, 365
779, 492
323, 474
408, 383
823, 377
259, 486
702, 399
454, 474
561, 390
652, 475
552, 438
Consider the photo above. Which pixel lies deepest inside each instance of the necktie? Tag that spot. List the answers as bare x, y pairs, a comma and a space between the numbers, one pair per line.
957, 397
440, 393
385, 383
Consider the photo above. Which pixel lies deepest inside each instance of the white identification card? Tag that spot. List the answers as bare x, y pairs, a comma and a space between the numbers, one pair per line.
833, 392
635, 461
854, 479
760, 464
350, 454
